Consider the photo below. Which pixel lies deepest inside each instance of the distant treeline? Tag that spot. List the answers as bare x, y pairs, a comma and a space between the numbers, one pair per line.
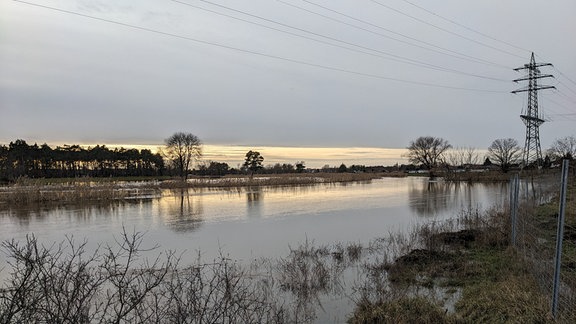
19, 159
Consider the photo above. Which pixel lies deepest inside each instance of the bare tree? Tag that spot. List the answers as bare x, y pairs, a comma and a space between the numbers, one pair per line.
563, 148
505, 152
181, 150
462, 156
427, 151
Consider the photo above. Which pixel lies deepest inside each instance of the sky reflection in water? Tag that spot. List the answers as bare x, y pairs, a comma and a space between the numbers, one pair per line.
255, 222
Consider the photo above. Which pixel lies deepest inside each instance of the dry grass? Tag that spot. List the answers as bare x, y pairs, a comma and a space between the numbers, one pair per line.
77, 192
272, 180
27, 191
404, 310
469, 255
494, 175
513, 299
470, 176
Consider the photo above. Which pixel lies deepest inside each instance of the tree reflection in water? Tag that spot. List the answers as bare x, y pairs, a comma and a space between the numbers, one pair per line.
254, 197
431, 198
184, 212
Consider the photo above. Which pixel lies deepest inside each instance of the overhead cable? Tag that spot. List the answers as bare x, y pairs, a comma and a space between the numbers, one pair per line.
252, 52
393, 57
466, 27
432, 47
443, 29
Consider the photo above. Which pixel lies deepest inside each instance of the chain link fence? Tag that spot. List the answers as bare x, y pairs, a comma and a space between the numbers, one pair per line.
543, 228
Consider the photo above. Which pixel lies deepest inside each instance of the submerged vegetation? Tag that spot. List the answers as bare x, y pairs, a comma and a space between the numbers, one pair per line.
26, 191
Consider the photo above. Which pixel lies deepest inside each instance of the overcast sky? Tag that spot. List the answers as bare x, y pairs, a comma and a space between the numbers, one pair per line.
318, 73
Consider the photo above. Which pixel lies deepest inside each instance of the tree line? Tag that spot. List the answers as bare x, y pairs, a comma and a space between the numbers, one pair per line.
19, 159
183, 150
430, 153
178, 157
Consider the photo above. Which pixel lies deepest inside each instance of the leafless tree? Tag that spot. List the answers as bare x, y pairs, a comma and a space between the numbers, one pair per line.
563, 148
427, 151
462, 156
505, 152
182, 149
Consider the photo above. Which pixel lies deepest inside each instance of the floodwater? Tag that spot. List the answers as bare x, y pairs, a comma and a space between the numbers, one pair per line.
255, 222
250, 223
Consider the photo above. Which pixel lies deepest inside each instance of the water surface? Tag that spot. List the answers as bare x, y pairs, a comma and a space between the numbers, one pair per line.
254, 222
251, 223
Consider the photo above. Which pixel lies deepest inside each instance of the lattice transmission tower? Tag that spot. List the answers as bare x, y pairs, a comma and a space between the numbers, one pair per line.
531, 117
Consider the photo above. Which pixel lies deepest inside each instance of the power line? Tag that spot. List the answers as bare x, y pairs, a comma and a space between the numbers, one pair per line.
565, 77
565, 85
440, 28
284, 31
387, 56
549, 98
465, 27
394, 57
432, 47
204, 42
566, 116
566, 97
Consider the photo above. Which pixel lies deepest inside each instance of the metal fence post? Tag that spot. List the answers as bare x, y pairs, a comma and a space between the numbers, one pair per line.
559, 238
514, 189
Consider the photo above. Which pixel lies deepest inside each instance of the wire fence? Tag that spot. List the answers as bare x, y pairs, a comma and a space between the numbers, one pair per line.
543, 231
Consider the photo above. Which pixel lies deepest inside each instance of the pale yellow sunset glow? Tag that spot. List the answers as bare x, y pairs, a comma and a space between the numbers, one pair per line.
314, 157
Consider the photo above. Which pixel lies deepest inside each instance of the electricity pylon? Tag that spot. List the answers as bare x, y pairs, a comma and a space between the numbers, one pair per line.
532, 151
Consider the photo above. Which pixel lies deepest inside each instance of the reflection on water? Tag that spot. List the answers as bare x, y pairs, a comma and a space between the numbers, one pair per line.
185, 210
182, 210
249, 223
256, 220
254, 196
432, 198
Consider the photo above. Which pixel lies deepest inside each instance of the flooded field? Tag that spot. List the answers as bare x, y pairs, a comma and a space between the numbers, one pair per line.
254, 222
248, 224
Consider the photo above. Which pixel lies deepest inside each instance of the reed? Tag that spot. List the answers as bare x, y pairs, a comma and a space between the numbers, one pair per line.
272, 180
26, 190
65, 193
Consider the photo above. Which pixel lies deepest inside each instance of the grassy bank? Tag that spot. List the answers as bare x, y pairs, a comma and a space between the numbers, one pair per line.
466, 271
451, 275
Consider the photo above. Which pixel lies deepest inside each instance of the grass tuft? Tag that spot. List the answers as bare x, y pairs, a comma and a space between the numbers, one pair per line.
404, 310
